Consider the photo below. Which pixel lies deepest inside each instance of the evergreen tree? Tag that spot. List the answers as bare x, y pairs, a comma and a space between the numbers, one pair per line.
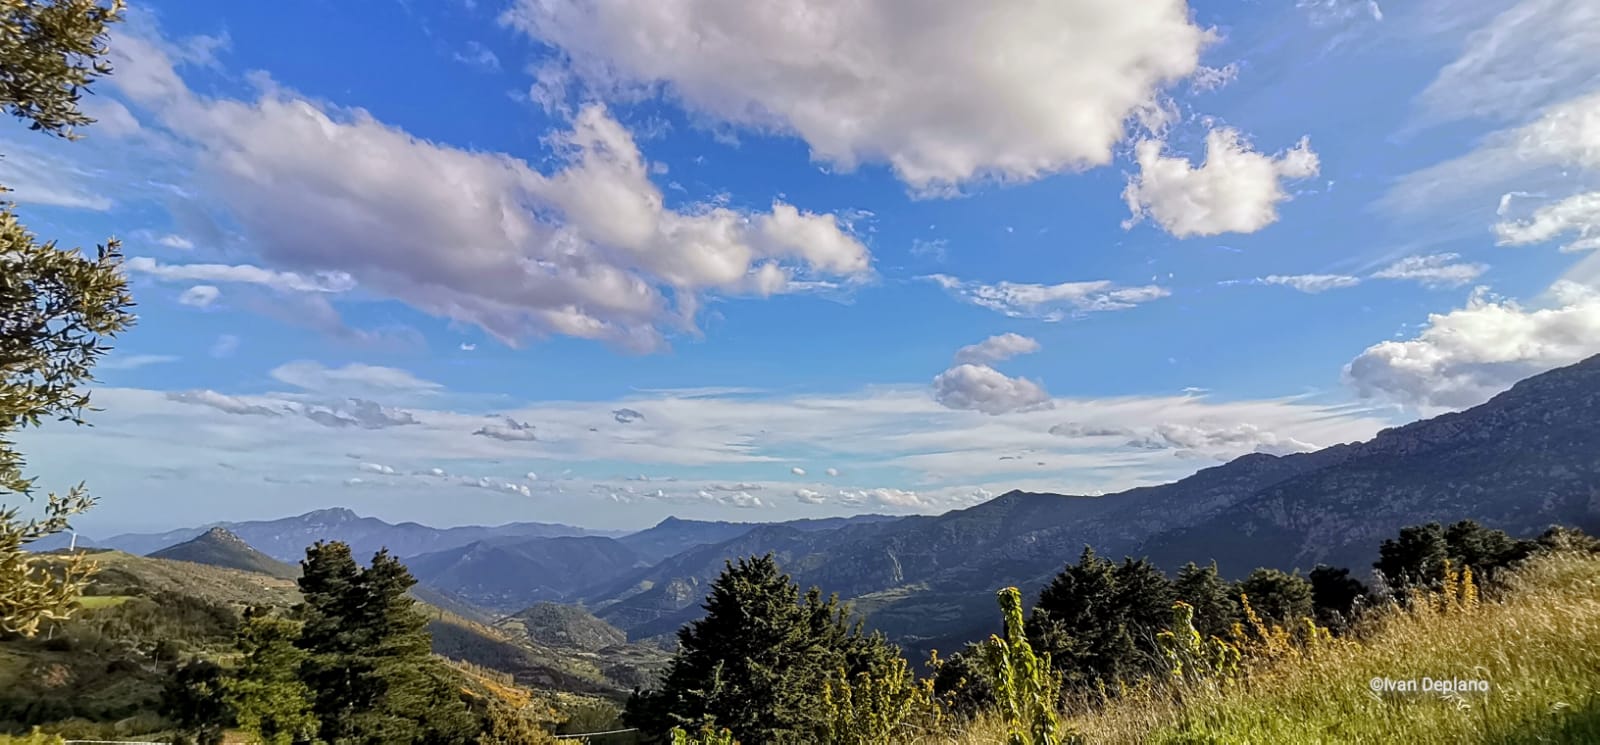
368, 662
1203, 588
194, 700
57, 307
1414, 558
266, 693
1486, 551
962, 683
1098, 621
1277, 596
759, 659
1335, 595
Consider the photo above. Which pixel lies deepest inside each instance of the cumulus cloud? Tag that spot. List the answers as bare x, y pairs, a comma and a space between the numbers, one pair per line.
314, 376
1235, 190
1462, 358
983, 388
220, 402
508, 430
1436, 271
832, 471
1222, 442
1049, 302
740, 500
809, 496
1080, 429
920, 88
588, 250
199, 296
798, 471
377, 468
997, 348
883, 497
1579, 213
1312, 283
626, 416
357, 412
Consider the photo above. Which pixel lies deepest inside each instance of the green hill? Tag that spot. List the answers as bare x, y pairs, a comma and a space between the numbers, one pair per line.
219, 548
565, 626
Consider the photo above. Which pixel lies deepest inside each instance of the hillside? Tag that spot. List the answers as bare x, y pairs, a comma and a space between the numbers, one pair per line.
510, 576
219, 548
565, 626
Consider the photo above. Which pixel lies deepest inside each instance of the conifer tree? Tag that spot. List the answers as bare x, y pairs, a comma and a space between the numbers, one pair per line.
1215, 610
1098, 620
1281, 598
1335, 595
368, 663
759, 660
267, 696
195, 701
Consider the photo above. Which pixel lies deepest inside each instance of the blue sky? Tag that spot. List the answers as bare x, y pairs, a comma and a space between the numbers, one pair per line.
601, 261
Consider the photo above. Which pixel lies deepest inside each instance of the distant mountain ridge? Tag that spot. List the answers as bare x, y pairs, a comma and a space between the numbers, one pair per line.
286, 538
219, 548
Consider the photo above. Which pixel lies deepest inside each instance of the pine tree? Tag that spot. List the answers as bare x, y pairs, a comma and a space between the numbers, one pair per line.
1281, 599
1098, 620
1215, 610
57, 307
266, 693
368, 660
759, 661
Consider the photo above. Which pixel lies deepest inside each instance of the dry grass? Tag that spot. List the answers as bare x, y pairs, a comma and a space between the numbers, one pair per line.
1539, 649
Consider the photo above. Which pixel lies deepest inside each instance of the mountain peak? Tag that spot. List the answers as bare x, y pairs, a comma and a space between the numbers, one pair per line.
332, 514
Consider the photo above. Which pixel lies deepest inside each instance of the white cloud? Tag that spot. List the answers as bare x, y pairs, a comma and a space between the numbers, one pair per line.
478, 55
1462, 358
200, 296
1220, 442
983, 388
798, 471
997, 348
1436, 271
588, 250
1049, 302
242, 273
316, 377
832, 471
1529, 157
377, 468
133, 361
1579, 213
111, 118
173, 240
884, 497
1530, 55
919, 87
221, 402
43, 180
508, 430
1235, 190
1312, 283
810, 496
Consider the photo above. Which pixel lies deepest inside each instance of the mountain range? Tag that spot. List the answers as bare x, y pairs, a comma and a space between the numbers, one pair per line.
1526, 459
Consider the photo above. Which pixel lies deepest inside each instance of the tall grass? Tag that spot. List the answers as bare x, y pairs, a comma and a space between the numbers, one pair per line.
1538, 646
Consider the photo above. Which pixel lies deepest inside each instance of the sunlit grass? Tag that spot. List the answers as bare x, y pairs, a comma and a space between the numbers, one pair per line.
1539, 648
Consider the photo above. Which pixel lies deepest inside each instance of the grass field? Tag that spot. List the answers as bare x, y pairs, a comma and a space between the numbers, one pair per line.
1538, 649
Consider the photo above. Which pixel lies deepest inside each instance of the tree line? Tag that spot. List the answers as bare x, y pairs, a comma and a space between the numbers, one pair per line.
768, 664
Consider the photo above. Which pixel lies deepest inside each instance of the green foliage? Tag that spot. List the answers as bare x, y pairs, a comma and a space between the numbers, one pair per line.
1280, 597
503, 725
760, 661
1026, 687
367, 655
1335, 595
1097, 620
266, 694
1215, 608
56, 306
1417, 557
962, 683
1192, 658
32, 738
195, 701
878, 706
707, 735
